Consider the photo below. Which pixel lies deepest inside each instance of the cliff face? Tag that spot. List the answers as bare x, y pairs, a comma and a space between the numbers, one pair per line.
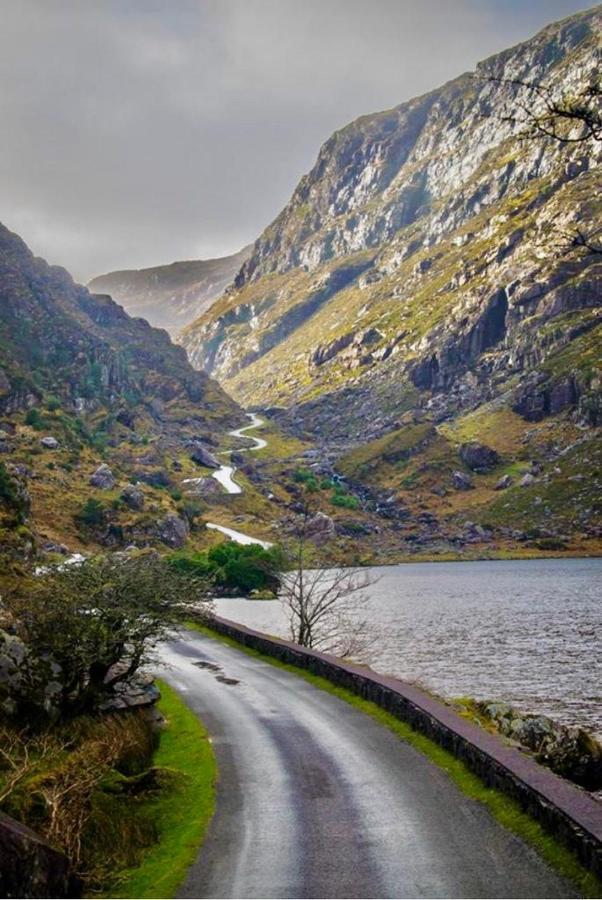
171, 296
425, 262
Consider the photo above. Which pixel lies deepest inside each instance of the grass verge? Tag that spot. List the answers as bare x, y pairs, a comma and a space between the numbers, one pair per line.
505, 810
182, 813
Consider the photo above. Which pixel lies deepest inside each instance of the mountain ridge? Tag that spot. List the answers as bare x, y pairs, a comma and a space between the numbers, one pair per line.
425, 270
171, 295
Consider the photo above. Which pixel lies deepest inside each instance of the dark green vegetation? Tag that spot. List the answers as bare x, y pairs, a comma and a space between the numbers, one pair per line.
242, 568
74, 638
339, 496
181, 812
505, 810
77, 731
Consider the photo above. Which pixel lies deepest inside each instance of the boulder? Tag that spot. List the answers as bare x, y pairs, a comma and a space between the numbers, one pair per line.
527, 480
103, 478
173, 531
154, 477
202, 487
462, 481
203, 457
504, 482
320, 527
50, 443
478, 457
133, 497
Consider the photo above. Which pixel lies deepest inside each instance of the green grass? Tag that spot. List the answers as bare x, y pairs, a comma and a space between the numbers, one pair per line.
182, 814
505, 810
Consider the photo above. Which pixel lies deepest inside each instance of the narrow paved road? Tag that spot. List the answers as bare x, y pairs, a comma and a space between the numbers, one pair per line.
316, 799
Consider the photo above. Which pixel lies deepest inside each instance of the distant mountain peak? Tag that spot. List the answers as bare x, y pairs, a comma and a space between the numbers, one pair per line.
172, 295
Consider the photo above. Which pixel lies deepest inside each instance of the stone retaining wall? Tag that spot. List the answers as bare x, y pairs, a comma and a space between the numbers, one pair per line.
565, 810
29, 867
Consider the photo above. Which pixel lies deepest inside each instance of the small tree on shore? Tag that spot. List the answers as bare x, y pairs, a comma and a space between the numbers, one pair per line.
85, 629
325, 607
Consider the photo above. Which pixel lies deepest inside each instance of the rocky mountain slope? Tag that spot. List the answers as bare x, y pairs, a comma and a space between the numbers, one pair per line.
96, 411
171, 296
423, 275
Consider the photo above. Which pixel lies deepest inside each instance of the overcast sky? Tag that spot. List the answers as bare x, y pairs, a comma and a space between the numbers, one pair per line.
137, 132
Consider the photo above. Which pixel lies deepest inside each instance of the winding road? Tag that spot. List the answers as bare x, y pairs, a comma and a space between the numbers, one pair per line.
316, 799
225, 476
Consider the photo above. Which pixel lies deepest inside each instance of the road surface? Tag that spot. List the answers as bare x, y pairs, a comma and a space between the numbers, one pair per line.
316, 799
225, 476
238, 536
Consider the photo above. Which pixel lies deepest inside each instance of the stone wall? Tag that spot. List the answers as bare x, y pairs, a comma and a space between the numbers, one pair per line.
565, 810
29, 867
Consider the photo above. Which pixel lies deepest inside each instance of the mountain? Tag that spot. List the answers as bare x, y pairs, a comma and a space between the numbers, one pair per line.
421, 291
92, 402
171, 296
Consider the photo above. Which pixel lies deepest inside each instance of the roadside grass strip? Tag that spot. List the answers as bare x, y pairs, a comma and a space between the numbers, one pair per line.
181, 812
505, 810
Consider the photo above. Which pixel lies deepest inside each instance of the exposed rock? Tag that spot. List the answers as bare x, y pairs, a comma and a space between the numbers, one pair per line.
462, 481
103, 478
133, 497
203, 457
173, 531
53, 547
504, 482
320, 527
569, 752
202, 487
527, 480
478, 457
154, 477
50, 443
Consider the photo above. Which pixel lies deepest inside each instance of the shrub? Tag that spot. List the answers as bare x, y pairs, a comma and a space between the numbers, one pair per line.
85, 629
52, 402
235, 567
35, 419
341, 498
91, 514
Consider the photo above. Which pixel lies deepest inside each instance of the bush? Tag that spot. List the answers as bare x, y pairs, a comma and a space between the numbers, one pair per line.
52, 403
235, 567
79, 633
343, 499
91, 514
302, 476
35, 419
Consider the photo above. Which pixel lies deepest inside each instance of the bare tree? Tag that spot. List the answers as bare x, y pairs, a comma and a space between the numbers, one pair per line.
325, 607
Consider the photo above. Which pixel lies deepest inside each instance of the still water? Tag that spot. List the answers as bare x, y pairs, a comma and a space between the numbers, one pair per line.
528, 632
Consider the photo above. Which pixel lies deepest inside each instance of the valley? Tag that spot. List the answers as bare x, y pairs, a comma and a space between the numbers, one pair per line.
373, 435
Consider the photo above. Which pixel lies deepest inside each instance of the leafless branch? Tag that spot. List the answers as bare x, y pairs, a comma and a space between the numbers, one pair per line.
547, 115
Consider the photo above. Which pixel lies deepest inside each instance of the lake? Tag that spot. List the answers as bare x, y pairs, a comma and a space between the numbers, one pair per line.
528, 632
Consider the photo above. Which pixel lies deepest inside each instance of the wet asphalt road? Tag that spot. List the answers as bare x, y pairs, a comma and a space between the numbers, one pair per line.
315, 799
